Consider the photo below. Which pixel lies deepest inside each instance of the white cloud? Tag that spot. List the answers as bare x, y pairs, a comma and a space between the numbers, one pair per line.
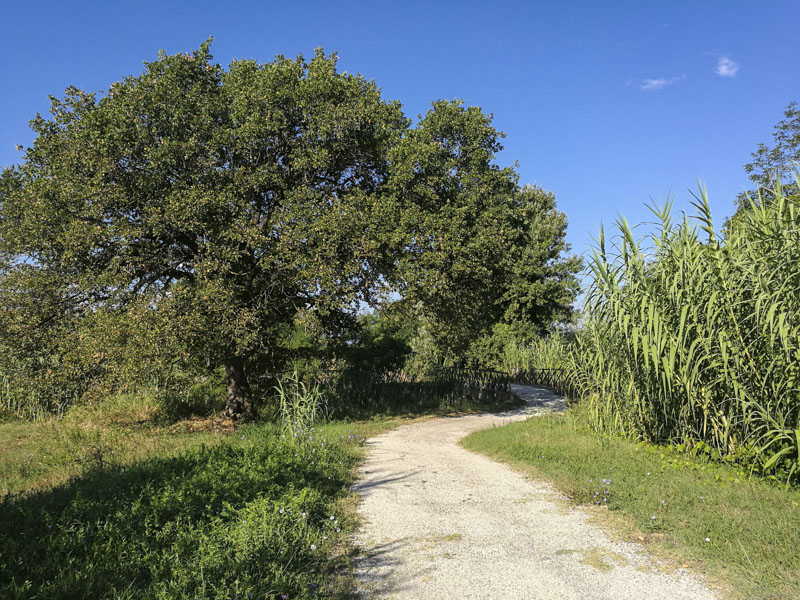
652, 85
727, 67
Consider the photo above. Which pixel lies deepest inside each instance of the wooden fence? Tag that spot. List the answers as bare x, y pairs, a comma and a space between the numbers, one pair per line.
482, 379
555, 379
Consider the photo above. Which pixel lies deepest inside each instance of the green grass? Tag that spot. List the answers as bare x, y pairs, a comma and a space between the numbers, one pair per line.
48, 452
113, 502
253, 514
753, 526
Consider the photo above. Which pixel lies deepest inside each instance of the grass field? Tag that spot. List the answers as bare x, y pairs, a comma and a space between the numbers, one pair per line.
742, 534
115, 503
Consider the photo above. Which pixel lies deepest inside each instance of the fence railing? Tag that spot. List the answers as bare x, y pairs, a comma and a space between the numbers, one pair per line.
555, 379
352, 382
482, 379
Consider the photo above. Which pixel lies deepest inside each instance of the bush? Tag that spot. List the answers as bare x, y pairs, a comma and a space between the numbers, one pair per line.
202, 396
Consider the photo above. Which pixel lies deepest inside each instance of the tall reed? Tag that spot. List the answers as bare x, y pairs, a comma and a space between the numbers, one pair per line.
545, 353
300, 406
694, 338
29, 404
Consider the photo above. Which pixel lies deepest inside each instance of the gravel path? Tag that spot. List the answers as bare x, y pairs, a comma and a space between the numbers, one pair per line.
442, 522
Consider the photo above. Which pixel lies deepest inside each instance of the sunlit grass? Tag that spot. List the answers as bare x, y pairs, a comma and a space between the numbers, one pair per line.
125, 429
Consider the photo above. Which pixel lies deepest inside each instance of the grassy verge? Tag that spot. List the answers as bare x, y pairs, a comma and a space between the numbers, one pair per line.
113, 503
742, 534
40, 455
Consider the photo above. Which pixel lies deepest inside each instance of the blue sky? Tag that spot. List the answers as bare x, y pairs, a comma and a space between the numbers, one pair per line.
608, 104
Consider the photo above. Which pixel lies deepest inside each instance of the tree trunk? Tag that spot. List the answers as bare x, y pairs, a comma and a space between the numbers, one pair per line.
239, 406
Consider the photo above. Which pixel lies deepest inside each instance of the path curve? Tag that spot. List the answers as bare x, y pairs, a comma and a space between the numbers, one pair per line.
441, 522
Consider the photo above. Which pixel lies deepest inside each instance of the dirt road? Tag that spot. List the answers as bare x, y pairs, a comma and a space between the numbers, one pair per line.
441, 522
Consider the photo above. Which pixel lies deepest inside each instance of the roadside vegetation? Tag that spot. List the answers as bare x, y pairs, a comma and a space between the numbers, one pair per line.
117, 502
692, 338
684, 428
739, 532
699, 344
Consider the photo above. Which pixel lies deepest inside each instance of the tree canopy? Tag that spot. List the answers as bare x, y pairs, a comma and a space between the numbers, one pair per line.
202, 213
774, 165
778, 162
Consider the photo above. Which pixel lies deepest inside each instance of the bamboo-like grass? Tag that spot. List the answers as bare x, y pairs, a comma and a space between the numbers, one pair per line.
696, 341
693, 338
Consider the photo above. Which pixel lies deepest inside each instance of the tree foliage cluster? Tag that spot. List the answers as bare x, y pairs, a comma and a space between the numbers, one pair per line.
773, 165
195, 218
778, 163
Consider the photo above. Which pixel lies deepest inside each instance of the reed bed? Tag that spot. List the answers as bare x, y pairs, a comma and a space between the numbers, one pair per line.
29, 404
693, 338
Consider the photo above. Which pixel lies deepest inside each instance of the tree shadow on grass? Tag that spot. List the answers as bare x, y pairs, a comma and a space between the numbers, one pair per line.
223, 522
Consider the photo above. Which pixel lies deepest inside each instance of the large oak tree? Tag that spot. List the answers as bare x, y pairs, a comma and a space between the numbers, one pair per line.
217, 207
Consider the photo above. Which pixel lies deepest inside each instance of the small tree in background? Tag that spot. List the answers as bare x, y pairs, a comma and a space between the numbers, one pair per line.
777, 163
773, 166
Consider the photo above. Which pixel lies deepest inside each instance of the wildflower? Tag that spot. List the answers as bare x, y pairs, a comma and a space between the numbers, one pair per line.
708, 539
303, 515
280, 511
653, 518
313, 546
332, 518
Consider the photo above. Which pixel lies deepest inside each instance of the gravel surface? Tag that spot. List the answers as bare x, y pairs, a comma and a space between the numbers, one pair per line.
442, 522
